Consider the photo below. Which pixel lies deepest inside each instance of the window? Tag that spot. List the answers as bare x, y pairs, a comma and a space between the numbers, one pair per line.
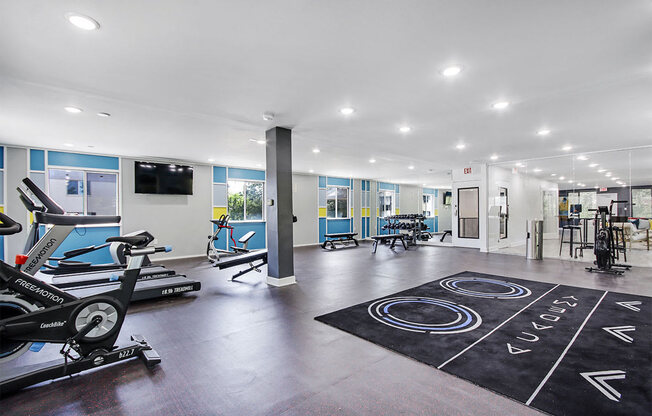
588, 200
468, 218
246, 200
84, 192
642, 200
385, 203
337, 202
428, 206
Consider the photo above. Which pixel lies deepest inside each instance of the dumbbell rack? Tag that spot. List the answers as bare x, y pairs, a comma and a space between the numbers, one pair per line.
411, 223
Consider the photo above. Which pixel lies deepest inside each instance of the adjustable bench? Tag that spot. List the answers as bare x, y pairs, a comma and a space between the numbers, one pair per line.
246, 258
332, 238
387, 237
244, 240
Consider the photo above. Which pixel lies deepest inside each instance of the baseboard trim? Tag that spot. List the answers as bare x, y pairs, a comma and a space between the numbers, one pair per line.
283, 281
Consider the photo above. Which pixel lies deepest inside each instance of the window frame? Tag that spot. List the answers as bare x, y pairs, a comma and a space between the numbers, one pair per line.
244, 205
348, 202
392, 209
85, 173
432, 199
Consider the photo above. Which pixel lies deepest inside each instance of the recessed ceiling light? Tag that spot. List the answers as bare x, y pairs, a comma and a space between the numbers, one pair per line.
582, 157
593, 165
372, 160
311, 171
411, 167
537, 170
602, 170
347, 111
543, 132
607, 174
553, 174
405, 129
519, 165
211, 160
259, 165
268, 116
460, 146
615, 178
82, 22
567, 148
73, 110
623, 185
561, 178
261, 141
500, 105
103, 114
570, 181
69, 145
451, 71
316, 150
596, 187
493, 157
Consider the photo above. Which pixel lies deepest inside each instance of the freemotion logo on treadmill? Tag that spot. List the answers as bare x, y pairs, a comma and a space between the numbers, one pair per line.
43, 253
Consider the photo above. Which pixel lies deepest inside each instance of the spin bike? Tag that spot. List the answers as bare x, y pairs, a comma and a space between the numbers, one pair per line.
33, 312
603, 246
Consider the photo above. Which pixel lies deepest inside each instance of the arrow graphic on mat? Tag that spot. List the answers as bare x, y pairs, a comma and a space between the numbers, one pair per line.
599, 380
617, 331
630, 305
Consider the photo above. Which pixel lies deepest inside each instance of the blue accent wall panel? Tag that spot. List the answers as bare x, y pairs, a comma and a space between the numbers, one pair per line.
241, 228
36, 159
430, 191
2, 248
436, 224
322, 229
430, 222
2, 157
398, 188
219, 174
250, 174
364, 185
338, 181
386, 186
82, 237
339, 226
322, 181
82, 160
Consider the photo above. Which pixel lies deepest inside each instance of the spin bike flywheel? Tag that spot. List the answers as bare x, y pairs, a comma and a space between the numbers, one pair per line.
11, 305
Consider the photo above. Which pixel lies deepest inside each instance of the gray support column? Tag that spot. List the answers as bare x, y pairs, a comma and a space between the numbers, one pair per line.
280, 245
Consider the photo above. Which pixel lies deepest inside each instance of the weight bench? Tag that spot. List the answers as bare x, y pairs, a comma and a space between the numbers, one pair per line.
443, 234
332, 238
247, 258
386, 237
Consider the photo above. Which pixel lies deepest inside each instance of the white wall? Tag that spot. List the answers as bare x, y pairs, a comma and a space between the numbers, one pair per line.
410, 199
15, 170
305, 205
525, 200
444, 212
178, 220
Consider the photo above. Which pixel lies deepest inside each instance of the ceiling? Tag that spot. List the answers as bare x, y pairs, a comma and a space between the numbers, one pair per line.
190, 80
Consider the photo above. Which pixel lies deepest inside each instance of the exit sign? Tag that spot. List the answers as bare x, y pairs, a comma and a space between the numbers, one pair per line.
467, 171
603, 189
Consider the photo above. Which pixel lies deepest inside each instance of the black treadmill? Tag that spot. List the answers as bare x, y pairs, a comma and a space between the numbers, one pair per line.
155, 282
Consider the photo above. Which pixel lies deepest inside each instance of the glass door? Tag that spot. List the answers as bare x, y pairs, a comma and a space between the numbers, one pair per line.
468, 219
504, 212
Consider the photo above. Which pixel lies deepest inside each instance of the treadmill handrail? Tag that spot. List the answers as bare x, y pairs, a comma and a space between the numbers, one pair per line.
49, 204
61, 219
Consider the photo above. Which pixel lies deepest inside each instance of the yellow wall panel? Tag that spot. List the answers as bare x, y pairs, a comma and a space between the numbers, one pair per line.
218, 211
322, 212
436, 212
396, 211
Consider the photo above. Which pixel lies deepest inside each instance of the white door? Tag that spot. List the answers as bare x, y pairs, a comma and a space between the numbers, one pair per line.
466, 214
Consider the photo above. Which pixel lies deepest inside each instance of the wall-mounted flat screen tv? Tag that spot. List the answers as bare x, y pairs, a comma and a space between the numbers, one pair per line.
162, 178
447, 197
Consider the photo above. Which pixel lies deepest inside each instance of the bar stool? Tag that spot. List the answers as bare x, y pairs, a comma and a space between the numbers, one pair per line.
571, 229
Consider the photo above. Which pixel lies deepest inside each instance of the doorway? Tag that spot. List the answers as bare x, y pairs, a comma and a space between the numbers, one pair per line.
468, 218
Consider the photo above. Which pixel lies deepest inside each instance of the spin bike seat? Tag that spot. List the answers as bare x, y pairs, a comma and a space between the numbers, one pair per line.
134, 240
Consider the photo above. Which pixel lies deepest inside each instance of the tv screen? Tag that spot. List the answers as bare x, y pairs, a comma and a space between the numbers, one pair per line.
162, 178
447, 197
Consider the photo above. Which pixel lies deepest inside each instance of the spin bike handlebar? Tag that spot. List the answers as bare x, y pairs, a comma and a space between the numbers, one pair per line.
8, 225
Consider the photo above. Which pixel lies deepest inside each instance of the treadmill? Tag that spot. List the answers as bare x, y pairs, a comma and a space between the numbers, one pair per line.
75, 269
151, 284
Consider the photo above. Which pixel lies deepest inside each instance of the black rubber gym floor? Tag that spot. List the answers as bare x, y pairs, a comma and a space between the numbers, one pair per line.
561, 349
